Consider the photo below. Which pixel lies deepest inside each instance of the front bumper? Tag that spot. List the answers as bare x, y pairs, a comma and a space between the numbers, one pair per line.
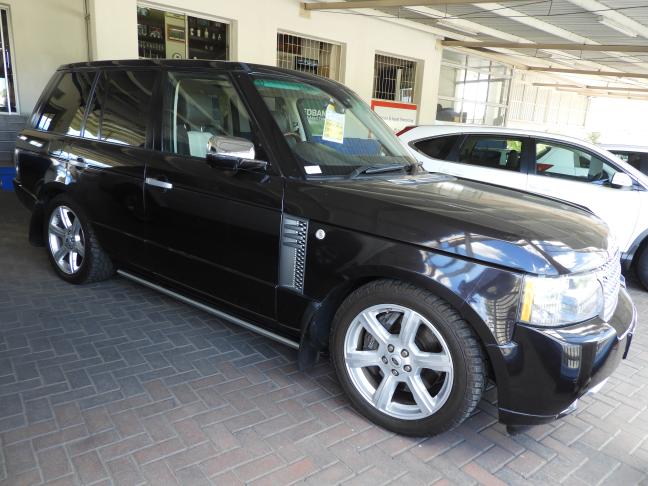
545, 371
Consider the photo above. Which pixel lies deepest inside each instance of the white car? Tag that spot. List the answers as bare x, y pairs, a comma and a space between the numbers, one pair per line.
552, 165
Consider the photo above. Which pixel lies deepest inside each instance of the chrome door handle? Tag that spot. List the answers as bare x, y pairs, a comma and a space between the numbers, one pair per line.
150, 181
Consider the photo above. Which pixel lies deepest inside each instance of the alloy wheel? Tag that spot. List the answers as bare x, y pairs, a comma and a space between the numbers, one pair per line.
66, 240
398, 361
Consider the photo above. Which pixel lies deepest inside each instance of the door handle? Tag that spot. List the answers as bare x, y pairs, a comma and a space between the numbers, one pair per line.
150, 181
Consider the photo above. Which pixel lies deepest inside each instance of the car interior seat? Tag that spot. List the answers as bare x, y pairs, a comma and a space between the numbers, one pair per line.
513, 160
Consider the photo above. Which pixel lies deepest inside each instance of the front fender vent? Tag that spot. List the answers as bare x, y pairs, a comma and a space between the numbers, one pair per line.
292, 264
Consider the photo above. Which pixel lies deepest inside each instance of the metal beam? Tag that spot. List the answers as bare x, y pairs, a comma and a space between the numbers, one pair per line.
386, 3
589, 73
545, 46
619, 90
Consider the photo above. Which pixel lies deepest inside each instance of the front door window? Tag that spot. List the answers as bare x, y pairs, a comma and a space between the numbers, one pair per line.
198, 107
559, 160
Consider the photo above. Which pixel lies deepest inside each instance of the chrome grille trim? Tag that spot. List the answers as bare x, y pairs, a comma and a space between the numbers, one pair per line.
610, 277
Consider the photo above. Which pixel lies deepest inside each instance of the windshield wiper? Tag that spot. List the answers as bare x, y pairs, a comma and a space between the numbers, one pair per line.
377, 169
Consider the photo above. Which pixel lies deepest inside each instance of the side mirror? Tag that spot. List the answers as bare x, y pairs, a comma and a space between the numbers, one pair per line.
233, 153
622, 180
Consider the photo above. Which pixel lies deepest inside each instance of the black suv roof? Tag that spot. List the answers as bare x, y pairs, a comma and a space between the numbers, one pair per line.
192, 63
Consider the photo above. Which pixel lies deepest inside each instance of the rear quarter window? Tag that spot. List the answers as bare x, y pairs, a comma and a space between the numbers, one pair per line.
437, 148
64, 109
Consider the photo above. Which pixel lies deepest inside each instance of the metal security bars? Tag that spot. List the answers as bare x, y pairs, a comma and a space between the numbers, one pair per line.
394, 79
308, 55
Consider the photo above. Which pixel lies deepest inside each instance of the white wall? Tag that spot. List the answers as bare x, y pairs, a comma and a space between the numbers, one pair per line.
618, 121
45, 35
113, 29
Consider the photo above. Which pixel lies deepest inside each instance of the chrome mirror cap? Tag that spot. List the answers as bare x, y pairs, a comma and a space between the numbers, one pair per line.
231, 147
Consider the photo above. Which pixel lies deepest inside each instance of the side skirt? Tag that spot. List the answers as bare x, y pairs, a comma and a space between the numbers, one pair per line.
211, 310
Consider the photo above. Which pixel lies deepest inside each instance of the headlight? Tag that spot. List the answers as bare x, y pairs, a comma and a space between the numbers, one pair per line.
557, 301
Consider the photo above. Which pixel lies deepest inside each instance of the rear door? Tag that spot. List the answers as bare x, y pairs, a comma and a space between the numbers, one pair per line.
574, 174
497, 159
109, 158
212, 231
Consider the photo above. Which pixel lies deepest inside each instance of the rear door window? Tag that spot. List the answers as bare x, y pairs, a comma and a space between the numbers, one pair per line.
64, 110
494, 152
438, 147
121, 107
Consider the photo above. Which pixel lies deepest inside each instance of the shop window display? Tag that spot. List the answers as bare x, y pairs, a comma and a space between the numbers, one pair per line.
167, 35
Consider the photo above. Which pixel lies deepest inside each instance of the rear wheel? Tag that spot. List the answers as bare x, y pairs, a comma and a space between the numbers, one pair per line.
406, 359
73, 248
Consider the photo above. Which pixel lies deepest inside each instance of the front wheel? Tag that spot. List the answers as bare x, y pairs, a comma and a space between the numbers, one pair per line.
406, 359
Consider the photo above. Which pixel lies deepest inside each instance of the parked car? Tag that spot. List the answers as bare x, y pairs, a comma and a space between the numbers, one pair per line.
281, 202
635, 155
551, 165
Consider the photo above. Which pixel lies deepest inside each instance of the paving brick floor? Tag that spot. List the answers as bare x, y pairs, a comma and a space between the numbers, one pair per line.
112, 383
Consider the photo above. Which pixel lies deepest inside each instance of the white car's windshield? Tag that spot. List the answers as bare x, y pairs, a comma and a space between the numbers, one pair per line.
331, 131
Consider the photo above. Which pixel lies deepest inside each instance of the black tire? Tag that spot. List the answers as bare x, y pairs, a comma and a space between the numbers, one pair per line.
641, 268
468, 360
96, 265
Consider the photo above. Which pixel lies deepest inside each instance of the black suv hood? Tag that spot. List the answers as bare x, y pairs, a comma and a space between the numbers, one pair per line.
479, 221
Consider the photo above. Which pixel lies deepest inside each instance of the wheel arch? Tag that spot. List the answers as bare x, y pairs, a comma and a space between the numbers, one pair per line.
318, 319
635, 250
45, 193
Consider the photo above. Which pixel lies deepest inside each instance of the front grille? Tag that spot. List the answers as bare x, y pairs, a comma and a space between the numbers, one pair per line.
610, 278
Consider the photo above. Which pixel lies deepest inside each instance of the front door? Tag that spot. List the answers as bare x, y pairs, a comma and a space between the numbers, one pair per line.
212, 231
576, 175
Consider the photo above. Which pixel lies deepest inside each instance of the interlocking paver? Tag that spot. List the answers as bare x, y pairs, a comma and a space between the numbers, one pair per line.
113, 383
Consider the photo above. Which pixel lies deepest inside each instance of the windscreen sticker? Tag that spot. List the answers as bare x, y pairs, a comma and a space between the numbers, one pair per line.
333, 125
312, 169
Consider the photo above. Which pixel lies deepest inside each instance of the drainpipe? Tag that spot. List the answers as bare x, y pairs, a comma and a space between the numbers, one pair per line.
86, 18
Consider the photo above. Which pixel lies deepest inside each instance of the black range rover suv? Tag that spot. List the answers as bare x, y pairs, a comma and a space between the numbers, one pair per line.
281, 202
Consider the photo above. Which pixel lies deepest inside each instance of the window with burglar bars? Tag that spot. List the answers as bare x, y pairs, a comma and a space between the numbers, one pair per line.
394, 79
308, 55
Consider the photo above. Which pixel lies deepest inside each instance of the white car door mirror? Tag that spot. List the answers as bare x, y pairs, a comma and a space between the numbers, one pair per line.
622, 180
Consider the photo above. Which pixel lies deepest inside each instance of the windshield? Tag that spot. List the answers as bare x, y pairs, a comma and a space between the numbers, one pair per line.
331, 131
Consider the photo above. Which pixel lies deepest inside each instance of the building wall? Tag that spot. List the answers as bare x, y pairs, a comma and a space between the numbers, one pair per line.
45, 35
57, 35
